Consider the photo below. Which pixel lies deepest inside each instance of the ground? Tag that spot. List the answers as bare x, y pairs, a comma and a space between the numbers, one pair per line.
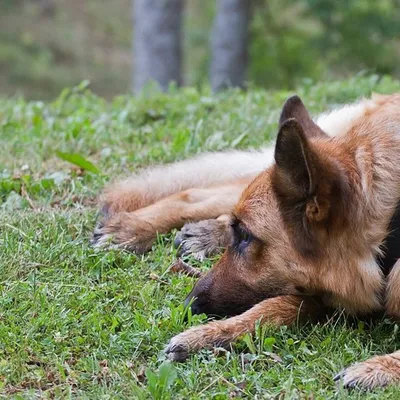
75, 322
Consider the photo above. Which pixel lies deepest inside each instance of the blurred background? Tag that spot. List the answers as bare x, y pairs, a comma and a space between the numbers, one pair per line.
46, 45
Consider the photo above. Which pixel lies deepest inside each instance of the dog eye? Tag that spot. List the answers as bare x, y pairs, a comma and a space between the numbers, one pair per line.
242, 238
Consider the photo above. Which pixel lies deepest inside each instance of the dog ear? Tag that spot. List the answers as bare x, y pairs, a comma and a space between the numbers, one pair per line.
294, 108
294, 160
311, 188
299, 176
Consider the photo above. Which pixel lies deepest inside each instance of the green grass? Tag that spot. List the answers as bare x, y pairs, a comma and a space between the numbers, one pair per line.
85, 324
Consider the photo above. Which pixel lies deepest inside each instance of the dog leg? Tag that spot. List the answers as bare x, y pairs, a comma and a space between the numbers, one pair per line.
136, 231
376, 372
203, 171
393, 292
282, 310
204, 238
383, 370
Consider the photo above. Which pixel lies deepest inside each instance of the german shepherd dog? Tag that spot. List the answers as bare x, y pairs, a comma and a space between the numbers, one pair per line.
310, 225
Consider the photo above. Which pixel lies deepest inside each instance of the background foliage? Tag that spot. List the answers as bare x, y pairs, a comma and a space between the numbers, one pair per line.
46, 45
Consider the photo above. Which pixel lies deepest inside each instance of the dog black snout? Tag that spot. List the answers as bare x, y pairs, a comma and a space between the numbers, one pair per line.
195, 305
199, 298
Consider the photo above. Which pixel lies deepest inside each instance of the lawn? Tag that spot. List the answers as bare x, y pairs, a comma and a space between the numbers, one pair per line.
80, 323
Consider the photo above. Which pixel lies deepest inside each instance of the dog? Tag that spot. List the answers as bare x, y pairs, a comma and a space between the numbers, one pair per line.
308, 225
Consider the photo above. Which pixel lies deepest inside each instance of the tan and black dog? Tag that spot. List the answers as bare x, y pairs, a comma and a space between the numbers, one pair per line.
307, 225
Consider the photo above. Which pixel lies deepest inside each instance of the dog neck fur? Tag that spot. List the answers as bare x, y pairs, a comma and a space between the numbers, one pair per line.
370, 132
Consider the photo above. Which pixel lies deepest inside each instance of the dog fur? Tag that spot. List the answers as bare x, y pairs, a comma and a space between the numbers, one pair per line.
306, 224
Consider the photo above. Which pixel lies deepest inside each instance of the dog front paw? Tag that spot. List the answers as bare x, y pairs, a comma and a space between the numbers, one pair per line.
190, 341
202, 239
124, 231
213, 334
177, 349
376, 372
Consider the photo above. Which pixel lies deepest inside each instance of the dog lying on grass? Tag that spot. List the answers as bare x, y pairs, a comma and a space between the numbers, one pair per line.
308, 226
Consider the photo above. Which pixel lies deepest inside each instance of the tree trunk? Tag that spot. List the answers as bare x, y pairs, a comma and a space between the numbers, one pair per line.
157, 42
230, 44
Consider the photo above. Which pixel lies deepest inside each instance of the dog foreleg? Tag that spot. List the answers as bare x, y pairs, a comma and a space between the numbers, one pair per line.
393, 292
282, 310
380, 370
375, 372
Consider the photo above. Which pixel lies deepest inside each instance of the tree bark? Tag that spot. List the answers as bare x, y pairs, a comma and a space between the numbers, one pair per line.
157, 42
230, 44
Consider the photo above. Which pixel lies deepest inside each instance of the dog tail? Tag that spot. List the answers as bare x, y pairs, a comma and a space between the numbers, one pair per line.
209, 169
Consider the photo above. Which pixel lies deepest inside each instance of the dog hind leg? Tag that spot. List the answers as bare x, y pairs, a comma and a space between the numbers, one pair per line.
136, 231
204, 238
203, 171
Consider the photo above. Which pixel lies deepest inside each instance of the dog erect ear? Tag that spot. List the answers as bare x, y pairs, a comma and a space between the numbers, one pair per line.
294, 108
295, 167
300, 179
310, 187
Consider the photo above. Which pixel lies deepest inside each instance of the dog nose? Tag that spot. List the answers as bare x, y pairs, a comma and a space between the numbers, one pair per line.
195, 305
196, 308
199, 298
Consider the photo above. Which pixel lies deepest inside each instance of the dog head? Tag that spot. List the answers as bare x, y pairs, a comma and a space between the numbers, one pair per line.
286, 223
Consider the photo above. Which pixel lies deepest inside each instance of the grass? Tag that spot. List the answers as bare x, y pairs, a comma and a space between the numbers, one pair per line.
85, 324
